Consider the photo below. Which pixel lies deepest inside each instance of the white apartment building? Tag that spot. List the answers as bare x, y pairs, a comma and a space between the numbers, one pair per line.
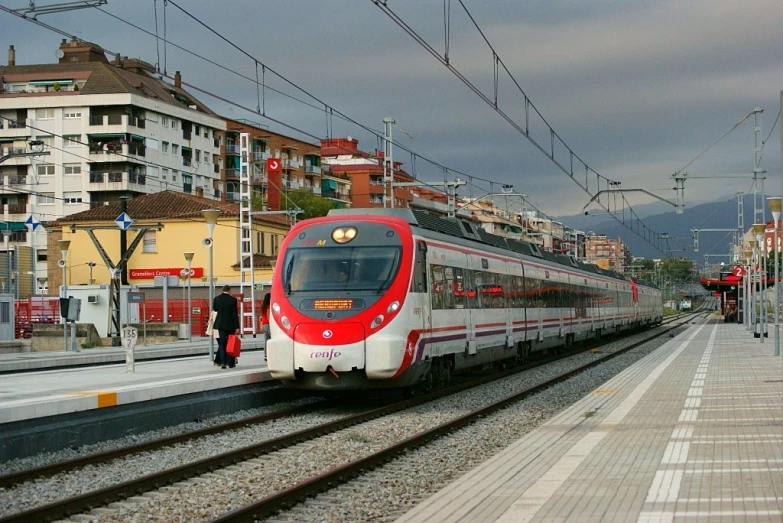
85, 131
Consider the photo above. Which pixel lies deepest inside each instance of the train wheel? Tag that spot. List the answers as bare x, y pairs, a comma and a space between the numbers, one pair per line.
446, 372
429, 379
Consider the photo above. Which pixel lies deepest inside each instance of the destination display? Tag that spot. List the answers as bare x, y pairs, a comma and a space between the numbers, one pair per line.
332, 304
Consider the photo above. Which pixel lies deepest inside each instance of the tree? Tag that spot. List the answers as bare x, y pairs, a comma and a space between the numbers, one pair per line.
312, 204
678, 270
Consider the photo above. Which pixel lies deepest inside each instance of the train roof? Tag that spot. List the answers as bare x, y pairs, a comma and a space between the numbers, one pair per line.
468, 230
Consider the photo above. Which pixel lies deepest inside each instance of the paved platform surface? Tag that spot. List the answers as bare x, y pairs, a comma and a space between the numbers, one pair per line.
693, 432
54, 391
23, 361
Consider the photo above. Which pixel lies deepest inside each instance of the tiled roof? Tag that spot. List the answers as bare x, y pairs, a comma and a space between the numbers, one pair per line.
259, 260
102, 78
166, 205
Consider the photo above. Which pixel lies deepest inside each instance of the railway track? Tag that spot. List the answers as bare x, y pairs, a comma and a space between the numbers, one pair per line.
102, 497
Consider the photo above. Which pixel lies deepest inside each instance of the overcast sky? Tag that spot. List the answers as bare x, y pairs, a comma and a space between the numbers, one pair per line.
637, 89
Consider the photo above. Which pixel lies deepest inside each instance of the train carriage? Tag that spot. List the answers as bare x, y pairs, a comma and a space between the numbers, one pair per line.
390, 298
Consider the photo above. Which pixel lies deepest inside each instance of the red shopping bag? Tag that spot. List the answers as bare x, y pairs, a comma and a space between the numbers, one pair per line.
234, 345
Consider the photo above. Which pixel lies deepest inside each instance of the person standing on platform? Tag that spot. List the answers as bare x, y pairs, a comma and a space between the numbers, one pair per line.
226, 322
265, 321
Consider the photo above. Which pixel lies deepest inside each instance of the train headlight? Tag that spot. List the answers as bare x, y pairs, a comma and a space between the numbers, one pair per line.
376, 322
285, 322
344, 234
393, 306
276, 308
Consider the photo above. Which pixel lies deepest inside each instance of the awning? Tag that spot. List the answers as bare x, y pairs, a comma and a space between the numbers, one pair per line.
329, 184
12, 226
50, 82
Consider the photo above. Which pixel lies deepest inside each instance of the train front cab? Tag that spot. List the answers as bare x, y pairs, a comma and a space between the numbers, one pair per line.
362, 332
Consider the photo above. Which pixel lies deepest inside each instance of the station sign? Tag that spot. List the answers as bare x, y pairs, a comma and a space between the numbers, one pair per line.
149, 274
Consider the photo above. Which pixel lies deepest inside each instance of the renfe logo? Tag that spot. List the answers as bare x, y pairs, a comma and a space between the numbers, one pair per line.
325, 355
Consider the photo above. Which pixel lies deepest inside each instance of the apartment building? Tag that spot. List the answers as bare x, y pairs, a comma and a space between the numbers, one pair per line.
87, 130
606, 252
361, 174
300, 164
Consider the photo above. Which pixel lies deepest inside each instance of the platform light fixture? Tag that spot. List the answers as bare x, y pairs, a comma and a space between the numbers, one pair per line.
210, 218
189, 261
758, 230
775, 204
64, 245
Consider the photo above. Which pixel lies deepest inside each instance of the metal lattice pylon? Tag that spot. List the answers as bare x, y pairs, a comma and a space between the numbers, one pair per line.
246, 272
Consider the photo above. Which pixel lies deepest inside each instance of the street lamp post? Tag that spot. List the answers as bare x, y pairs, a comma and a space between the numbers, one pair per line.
775, 205
64, 244
758, 230
210, 217
189, 260
747, 287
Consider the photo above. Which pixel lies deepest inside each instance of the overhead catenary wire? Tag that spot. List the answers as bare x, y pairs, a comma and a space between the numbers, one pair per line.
264, 86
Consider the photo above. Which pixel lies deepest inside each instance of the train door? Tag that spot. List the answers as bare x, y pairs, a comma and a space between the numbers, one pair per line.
472, 303
420, 289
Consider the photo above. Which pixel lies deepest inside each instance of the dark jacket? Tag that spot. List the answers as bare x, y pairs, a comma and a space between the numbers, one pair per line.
227, 319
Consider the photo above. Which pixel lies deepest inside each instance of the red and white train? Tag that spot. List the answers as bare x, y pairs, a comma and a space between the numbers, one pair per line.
390, 298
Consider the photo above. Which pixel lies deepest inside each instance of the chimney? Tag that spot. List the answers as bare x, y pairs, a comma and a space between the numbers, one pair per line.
177, 80
11, 56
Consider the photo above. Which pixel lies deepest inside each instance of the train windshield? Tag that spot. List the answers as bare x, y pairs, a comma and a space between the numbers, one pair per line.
340, 268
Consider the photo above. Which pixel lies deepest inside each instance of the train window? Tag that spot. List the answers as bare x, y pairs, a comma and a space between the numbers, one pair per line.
419, 283
439, 296
341, 268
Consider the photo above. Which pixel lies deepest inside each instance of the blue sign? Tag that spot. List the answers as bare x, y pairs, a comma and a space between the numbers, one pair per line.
32, 223
123, 221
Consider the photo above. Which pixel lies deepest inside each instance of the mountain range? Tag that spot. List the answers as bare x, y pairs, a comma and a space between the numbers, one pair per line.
716, 215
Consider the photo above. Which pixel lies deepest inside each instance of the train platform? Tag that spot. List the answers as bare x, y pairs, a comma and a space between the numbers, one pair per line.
69, 382
27, 361
692, 432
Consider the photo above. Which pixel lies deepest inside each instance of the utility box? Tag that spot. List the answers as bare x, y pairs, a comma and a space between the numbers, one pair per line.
93, 298
70, 308
183, 331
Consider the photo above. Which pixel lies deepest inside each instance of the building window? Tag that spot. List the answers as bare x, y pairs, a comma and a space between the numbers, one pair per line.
45, 169
72, 168
206, 132
174, 148
197, 130
72, 197
164, 121
165, 147
47, 140
46, 198
198, 155
150, 242
41, 255
5, 312
173, 176
173, 123
44, 114
70, 114
72, 141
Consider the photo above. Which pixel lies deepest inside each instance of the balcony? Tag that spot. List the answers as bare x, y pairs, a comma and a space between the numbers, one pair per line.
187, 161
315, 169
14, 128
290, 164
216, 168
232, 196
141, 123
116, 181
17, 208
17, 179
232, 148
259, 179
259, 155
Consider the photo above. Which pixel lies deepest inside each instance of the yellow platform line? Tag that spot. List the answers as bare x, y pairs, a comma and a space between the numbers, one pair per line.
105, 399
